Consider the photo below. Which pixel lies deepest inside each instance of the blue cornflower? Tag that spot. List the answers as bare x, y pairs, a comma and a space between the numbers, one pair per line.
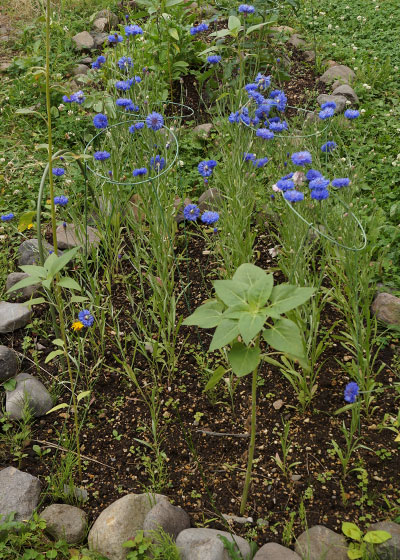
313, 174
95, 66
328, 147
58, 171
301, 158
101, 156
214, 59
265, 134
198, 29
260, 162
293, 196
280, 99
326, 113
244, 116
351, 392
209, 217
125, 62
288, 176
139, 125
234, 117
100, 121
250, 87
139, 172
101, 59
123, 85
263, 82
249, 157
61, 200
319, 183
157, 162
258, 98
132, 107
155, 121
278, 126
78, 97
123, 102
133, 30
285, 184
191, 212
263, 110
86, 318
328, 105
246, 9
319, 194
115, 38
205, 168
341, 182
351, 114
7, 217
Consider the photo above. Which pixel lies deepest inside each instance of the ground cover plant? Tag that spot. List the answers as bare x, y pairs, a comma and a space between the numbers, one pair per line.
266, 225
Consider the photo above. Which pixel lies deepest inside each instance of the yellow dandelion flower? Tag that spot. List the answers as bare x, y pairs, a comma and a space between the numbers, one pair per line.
30, 226
77, 326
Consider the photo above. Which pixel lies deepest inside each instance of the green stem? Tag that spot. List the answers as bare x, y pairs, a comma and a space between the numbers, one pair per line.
252, 440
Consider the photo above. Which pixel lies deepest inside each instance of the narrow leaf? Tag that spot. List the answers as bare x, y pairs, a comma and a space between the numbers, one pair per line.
82, 395
58, 407
52, 355
215, 378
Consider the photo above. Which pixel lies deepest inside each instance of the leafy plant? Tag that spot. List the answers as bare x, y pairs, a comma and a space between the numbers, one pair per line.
363, 545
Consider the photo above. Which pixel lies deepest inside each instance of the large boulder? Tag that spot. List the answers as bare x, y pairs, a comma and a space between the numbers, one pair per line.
319, 543
28, 252
274, 551
338, 72
19, 493
13, 316
23, 293
8, 363
120, 522
204, 544
386, 308
83, 41
31, 391
65, 522
389, 550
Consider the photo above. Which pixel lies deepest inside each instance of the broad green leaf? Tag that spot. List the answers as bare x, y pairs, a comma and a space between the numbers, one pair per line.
25, 220
206, 316
54, 263
259, 293
78, 299
69, 283
215, 378
285, 336
170, 3
52, 355
174, 33
377, 537
231, 292
243, 359
249, 274
10, 384
34, 270
58, 407
82, 395
34, 301
47, 284
221, 33
225, 332
233, 22
58, 342
236, 311
285, 297
354, 553
257, 26
30, 281
352, 531
250, 324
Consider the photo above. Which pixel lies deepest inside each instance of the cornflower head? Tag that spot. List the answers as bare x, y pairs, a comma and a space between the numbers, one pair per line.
101, 59
191, 212
198, 29
58, 171
328, 105
318, 183
280, 99
61, 200
302, 158
125, 63
214, 59
264, 109
249, 157
246, 9
326, 113
260, 162
278, 126
101, 156
86, 318
123, 102
293, 196
132, 107
351, 114
328, 147
131, 30
78, 97
115, 38
122, 85
250, 87
285, 184
209, 217
139, 172
157, 162
100, 121
341, 182
206, 168
154, 121
258, 98
319, 194
313, 174
351, 392
262, 82
7, 217
265, 134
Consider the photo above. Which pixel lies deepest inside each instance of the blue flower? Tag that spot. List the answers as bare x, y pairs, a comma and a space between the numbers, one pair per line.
155, 121
293, 196
209, 217
95, 66
157, 162
313, 174
319, 194
101, 156
288, 176
302, 158
328, 147
328, 105
258, 98
265, 134
77, 97
249, 157
318, 183
131, 30
280, 99
132, 107
115, 38
191, 212
123, 85
125, 62
58, 171
285, 184
340, 183
263, 82
86, 318
61, 200
100, 121
246, 9
7, 217
326, 113
139, 125
123, 102
263, 110
351, 114
139, 172
205, 168
214, 59
101, 59
198, 29
260, 162
250, 87
351, 392
278, 126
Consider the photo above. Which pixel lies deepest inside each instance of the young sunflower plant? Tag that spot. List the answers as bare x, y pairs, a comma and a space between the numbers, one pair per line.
249, 309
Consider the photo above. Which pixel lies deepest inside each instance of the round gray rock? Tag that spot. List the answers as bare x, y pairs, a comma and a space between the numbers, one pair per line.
23, 293
111, 18
338, 72
100, 25
204, 544
389, 550
19, 493
99, 39
165, 516
275, 551
69, 236
65, 522
83, 41
338, 99
347, 92
203, 130
120, 522
28, 251
8, 363
80, 69
30, 390
296, 41
13, 316
319, 543
386, 307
